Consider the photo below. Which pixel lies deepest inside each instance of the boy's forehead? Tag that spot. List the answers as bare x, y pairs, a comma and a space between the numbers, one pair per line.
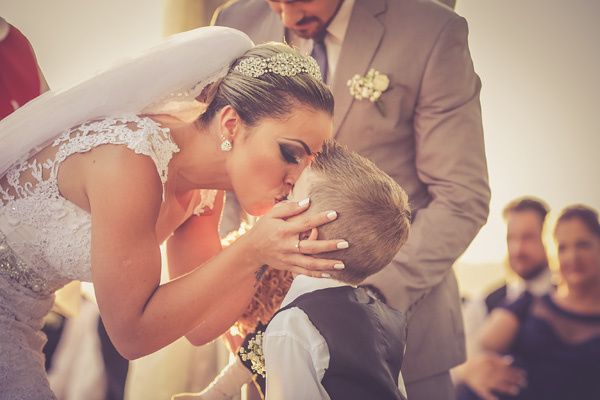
303, 184
308, 175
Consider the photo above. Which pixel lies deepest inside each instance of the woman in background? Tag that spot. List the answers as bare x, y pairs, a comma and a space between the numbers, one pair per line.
556, 338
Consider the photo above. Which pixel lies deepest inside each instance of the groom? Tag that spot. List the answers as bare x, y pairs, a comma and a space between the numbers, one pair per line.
421, 125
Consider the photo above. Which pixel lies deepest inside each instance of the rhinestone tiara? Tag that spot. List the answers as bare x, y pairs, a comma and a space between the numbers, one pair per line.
284, 64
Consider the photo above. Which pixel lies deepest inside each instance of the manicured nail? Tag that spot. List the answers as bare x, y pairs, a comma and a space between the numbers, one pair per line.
339, 266
331, 215
342, 245
325, 275
304, 203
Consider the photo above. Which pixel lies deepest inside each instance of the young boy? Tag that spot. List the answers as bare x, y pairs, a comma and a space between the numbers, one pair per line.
331, 339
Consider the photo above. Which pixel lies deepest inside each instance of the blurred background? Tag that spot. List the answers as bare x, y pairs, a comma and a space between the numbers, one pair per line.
538, 61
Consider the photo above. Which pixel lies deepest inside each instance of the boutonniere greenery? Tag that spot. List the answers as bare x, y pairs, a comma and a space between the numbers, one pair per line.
254, 353
370, 86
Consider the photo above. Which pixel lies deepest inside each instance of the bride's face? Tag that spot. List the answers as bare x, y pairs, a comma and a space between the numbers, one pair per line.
267, 159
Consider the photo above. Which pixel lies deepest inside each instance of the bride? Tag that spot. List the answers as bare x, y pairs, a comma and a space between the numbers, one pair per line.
93, 200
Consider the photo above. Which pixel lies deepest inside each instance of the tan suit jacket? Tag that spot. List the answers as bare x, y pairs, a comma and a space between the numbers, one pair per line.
430, 140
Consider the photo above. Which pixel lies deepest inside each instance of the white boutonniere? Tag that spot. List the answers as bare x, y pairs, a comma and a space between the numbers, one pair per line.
371, 87
254, 354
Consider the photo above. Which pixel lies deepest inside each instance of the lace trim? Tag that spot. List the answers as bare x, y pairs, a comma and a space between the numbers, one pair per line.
207, 199
49, 236
149, 139
153, 142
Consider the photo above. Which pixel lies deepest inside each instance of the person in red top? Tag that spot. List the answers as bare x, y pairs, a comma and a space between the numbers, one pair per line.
20, 77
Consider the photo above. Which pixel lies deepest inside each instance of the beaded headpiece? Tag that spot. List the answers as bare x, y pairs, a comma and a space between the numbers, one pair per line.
284, 64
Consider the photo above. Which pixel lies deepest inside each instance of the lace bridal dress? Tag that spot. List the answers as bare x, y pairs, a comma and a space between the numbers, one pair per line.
44, 238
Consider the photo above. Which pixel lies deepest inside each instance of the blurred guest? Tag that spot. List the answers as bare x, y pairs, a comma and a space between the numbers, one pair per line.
555, 338
20, 77
528, 263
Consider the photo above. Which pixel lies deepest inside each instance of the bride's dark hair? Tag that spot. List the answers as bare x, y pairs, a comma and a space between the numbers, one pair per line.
271, 95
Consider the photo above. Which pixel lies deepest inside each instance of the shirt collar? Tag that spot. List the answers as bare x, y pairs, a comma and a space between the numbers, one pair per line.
336, 30
339, 24
537, 286
303, 284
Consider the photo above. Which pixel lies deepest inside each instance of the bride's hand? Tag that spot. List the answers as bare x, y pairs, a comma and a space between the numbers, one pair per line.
275, 242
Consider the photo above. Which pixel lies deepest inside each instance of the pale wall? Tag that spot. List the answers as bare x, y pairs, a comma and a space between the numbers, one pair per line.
539, 61
73, 39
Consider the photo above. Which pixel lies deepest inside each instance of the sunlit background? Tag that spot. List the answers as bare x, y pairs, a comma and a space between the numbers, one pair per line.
539, 61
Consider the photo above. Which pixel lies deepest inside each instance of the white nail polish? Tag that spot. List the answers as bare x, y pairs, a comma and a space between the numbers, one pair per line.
304, 203
342, 245
331, 215
325, 275
339, 266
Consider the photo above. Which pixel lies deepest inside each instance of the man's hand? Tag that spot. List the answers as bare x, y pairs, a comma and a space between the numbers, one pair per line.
486, 373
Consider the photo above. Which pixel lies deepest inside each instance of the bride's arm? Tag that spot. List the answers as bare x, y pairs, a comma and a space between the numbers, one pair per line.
195, 241
191, 245
143, 316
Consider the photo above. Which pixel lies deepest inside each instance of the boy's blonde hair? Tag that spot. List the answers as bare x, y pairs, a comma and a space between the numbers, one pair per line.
373, 211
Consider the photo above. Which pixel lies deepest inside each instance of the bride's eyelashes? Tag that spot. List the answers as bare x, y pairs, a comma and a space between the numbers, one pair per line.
288, 154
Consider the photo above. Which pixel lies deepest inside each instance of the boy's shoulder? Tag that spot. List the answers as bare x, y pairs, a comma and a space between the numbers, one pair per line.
294, 314
293, 323
344, 306
328, 299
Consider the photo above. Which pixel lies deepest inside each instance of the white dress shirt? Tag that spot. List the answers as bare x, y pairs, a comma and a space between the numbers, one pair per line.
296, 355
336, 31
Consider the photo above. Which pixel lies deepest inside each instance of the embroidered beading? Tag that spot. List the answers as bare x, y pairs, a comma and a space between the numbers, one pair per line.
284, 64
11, 266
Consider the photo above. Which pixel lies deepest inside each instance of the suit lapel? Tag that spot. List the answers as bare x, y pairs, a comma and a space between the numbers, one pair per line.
364, 33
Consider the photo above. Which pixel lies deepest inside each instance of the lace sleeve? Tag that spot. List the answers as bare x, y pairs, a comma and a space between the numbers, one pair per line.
207, 200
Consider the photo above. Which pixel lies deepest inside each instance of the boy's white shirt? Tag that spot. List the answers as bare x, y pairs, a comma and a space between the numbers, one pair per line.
296, 355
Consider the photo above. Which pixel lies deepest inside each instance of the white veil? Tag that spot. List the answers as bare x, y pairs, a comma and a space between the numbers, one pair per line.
175, 70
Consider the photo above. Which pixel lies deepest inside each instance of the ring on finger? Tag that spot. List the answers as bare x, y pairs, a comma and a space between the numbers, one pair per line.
298, 246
